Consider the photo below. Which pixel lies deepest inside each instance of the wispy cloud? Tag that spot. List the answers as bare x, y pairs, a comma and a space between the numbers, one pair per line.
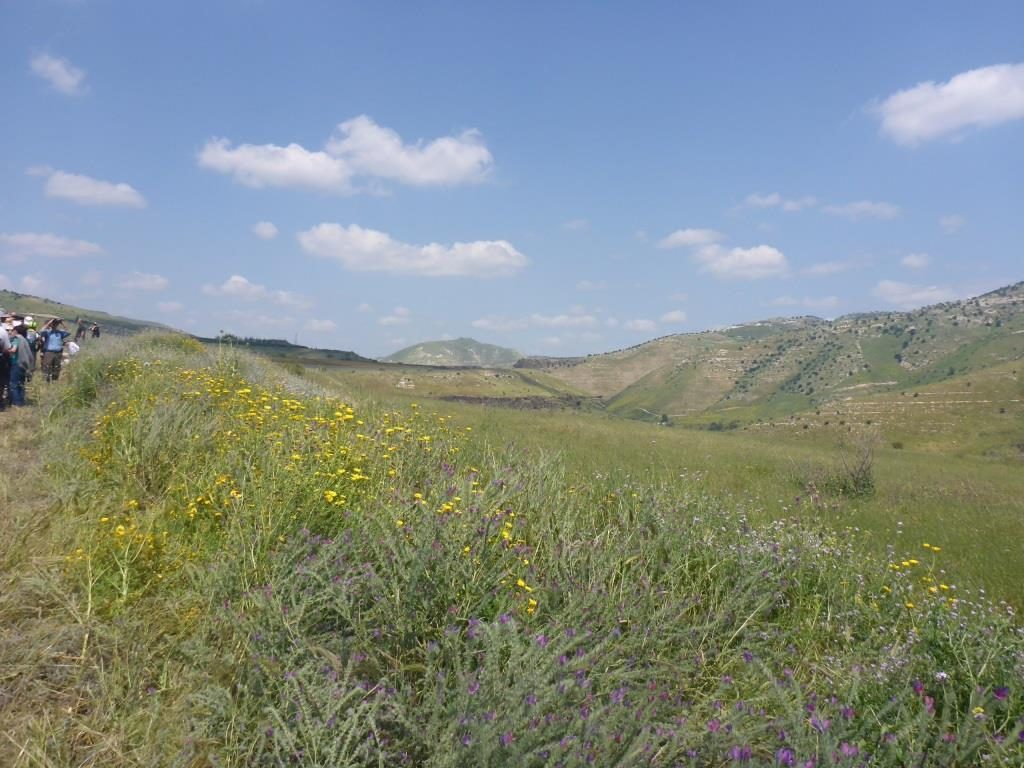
641, 325
359, 148
85, 190
952, 223
823, 302
60, 73
775, 200
916, 260
864, 209
908, 296
368, 250
264, 230
977, 98
674, 316
239, 287
141, 281
687, 238
398, 316
828, 268
31, 244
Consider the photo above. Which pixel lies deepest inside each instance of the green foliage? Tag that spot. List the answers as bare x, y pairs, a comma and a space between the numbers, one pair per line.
301, 582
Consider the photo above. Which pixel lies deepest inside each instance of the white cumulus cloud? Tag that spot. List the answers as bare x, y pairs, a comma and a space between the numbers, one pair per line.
743, 263
685, 238
908, 296
916, 260
85, 190
29, 244
59, 73
977, 98
140, 281
264, 230
863, 209
358, 148
239, 287
368, 250
373, 150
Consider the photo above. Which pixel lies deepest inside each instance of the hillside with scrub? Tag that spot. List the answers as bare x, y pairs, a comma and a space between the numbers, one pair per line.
763, 370
211, 560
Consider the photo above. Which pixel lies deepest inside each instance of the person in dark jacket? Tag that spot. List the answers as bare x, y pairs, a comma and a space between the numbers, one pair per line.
22, 361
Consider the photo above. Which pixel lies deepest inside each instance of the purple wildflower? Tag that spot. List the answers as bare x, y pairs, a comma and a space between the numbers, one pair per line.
847, 713
819, 724
505, 618
740, 754
1001, 693
714, 726
785, 756
619, 695
531, 700
542, 640
748, 657
466, 739
848, 750
918, 687
474, 686
506, 738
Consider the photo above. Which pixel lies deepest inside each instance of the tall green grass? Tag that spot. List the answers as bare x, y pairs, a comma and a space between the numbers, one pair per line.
235, 575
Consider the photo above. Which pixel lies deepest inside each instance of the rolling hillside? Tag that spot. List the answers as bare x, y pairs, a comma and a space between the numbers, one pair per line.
458, 353
44, 309
783, 366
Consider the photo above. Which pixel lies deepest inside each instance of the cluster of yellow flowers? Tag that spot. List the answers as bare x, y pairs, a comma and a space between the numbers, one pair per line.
245, 448
932, 587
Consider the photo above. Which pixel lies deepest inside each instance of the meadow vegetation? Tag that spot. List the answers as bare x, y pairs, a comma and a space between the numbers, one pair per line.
235, 567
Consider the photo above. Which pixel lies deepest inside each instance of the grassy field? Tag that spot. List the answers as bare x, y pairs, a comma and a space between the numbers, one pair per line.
227, 565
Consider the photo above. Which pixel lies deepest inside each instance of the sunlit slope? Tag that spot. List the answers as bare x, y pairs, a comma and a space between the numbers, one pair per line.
778, 367
44, 309
456, 352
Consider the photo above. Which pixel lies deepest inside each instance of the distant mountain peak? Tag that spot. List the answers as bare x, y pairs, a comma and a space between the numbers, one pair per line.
463, 351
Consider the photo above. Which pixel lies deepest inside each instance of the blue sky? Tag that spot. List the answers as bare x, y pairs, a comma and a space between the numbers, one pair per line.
562, 178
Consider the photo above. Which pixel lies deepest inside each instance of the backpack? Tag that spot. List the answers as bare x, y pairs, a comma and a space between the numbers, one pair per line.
22, 354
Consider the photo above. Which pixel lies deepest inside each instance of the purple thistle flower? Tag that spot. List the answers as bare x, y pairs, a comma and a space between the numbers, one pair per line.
584, 712
1001, 693
740, 754
929, 705
918, 687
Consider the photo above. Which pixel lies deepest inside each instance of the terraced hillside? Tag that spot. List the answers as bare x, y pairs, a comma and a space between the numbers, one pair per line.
784, 366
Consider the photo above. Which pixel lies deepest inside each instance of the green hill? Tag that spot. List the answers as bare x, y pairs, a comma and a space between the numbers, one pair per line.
44, 309
457, 353
783, 366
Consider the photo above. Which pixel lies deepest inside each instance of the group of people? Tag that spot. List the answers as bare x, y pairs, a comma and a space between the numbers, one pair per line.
22, 343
